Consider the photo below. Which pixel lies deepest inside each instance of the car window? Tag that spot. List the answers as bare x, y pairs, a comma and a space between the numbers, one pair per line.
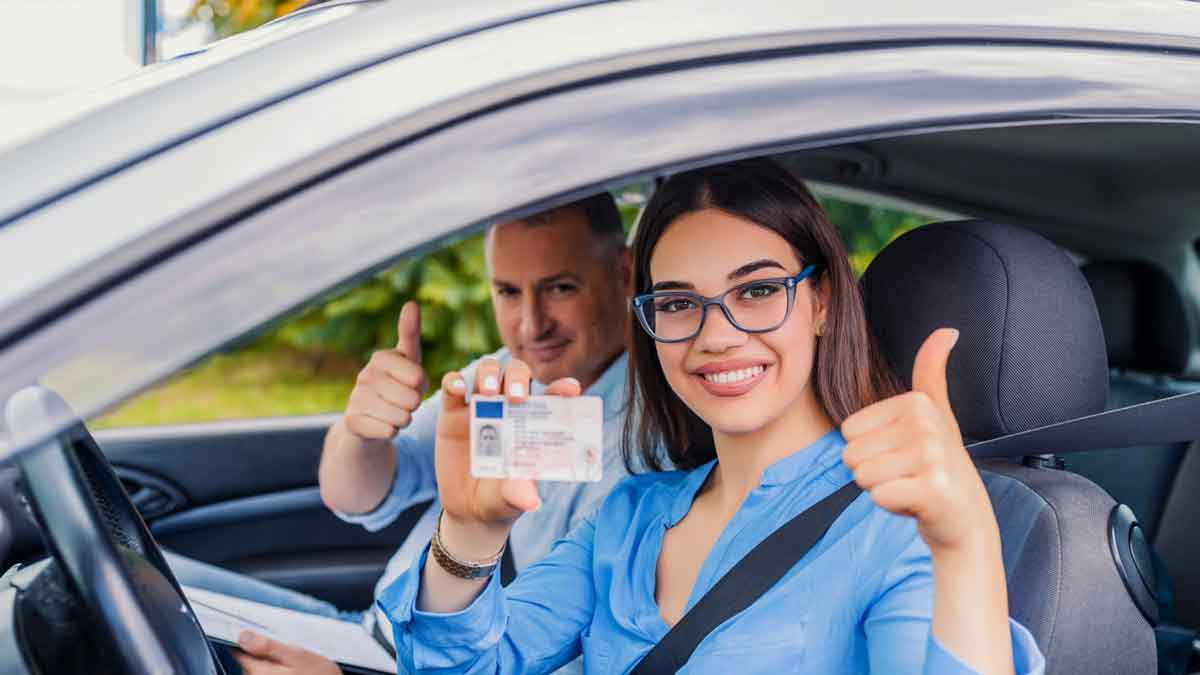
306, 363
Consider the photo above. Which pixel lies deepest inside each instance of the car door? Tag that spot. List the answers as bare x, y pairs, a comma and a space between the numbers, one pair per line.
244, 495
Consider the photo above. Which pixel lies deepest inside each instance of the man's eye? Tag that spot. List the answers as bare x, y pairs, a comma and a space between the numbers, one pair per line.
506, 292
760, 291
562, 289
672, 305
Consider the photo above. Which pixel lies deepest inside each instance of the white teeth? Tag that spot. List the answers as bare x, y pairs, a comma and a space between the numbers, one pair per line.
733, 376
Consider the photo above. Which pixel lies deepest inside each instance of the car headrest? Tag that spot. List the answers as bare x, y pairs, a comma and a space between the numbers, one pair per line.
1143, 314
1031, 349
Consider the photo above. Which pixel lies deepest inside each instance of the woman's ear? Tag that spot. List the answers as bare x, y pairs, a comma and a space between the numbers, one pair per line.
821, 295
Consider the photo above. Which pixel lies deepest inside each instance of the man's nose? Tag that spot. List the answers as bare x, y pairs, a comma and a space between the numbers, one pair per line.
534, 321
718, 334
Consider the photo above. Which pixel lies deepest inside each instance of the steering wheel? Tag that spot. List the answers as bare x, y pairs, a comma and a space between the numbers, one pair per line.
112, 565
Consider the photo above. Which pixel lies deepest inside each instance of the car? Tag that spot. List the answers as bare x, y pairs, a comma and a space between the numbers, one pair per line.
170, 215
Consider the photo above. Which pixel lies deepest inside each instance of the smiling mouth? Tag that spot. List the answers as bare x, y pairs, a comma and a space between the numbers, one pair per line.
734, 376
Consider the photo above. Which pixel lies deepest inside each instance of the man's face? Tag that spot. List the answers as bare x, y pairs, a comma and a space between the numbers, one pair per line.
560, 295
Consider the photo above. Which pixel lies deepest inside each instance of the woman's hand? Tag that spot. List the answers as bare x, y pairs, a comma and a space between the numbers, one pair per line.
479, 512
261, 655
907, 452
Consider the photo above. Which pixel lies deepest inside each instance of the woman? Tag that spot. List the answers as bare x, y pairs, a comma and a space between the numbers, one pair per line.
782, 376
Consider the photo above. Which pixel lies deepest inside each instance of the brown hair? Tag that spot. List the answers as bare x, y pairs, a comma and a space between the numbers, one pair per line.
850, 371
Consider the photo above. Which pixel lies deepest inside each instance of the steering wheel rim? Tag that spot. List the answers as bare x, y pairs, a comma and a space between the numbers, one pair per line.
103, 548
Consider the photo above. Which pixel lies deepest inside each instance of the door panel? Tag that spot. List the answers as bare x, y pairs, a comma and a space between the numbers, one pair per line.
244, 495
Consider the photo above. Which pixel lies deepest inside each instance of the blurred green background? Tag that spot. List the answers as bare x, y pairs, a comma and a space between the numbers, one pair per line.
306, 364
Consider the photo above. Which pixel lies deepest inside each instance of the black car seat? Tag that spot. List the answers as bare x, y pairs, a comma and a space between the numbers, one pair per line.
1031, 353
1149, 342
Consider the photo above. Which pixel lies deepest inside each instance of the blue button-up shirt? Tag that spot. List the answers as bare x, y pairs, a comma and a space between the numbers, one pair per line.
564, 505
860, 601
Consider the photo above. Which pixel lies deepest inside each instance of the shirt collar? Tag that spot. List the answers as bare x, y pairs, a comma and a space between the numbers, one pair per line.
610, 386
809, 463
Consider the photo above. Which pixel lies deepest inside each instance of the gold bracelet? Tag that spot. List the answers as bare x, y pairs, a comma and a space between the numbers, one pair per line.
460, 568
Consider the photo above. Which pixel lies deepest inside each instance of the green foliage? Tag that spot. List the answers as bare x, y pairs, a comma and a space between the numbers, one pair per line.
457, 323
867, 229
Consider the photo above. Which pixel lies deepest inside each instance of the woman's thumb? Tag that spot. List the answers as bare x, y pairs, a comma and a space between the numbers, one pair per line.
929, 368
521, 494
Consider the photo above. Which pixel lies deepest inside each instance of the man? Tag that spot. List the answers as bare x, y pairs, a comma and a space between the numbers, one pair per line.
560, 286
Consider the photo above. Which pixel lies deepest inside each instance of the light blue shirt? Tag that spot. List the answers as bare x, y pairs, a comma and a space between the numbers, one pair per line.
564, 505
860, 601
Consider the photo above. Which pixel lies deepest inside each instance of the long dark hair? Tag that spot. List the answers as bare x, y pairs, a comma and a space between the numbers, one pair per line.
851, 373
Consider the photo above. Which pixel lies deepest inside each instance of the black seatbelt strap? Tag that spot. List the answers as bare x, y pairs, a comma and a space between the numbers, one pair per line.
1175, 419
752, 576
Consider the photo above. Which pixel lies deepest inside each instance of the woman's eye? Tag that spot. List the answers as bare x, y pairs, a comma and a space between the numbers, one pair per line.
759, 291
671, 305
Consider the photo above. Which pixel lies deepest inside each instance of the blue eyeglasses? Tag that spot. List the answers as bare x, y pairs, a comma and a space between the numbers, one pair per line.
758, 306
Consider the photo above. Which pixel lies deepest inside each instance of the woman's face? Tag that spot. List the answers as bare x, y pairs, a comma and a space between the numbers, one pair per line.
736, 382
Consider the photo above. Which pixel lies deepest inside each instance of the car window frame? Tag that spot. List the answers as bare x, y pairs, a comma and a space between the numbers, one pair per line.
102, 351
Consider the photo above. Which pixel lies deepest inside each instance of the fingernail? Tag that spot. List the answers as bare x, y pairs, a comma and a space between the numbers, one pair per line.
248, 638
954, 340
490, 383
516, 389
573, 381
458, 385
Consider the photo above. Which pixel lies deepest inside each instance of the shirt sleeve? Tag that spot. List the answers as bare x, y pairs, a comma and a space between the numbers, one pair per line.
900, 617
415, 480
533, 626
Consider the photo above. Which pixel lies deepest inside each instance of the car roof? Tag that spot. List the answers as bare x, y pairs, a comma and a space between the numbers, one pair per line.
140, 116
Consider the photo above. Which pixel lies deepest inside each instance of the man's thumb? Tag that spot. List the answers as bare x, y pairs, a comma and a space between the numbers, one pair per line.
929, 368
408, 331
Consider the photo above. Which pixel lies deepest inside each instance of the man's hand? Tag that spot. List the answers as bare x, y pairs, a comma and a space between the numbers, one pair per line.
261, 655
389, 387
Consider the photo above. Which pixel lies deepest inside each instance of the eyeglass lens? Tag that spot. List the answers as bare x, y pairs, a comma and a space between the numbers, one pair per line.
755, 307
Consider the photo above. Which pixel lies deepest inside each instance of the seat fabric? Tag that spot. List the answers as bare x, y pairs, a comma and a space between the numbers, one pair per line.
1149, 342
1031, 352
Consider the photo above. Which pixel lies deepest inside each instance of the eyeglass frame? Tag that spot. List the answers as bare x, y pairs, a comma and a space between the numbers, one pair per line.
789, 283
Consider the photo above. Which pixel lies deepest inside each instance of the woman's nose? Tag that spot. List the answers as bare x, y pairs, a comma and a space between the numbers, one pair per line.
718, 334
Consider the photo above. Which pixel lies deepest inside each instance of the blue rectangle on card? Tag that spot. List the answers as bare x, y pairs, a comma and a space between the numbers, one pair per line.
489, 409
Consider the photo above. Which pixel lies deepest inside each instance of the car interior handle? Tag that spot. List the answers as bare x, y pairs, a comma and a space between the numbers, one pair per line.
153, 496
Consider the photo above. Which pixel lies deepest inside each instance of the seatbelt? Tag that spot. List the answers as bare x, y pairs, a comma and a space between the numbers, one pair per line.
752, 576
1168, 420
1175, 419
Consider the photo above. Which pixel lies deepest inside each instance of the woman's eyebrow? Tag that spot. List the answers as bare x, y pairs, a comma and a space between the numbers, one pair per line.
753, 267
733, 276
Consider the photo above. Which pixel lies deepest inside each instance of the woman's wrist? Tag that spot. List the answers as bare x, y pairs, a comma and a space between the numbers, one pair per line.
472, 541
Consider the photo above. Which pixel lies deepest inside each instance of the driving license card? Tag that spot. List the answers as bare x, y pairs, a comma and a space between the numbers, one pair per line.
544, 438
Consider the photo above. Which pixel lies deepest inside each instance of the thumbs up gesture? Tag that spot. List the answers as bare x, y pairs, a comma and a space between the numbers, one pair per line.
907, 452
389, 387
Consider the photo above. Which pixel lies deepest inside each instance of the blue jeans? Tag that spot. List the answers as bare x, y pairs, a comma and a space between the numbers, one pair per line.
216, 579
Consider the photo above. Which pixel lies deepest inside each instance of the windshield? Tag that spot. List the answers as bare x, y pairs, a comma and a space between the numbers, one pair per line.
27, 122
